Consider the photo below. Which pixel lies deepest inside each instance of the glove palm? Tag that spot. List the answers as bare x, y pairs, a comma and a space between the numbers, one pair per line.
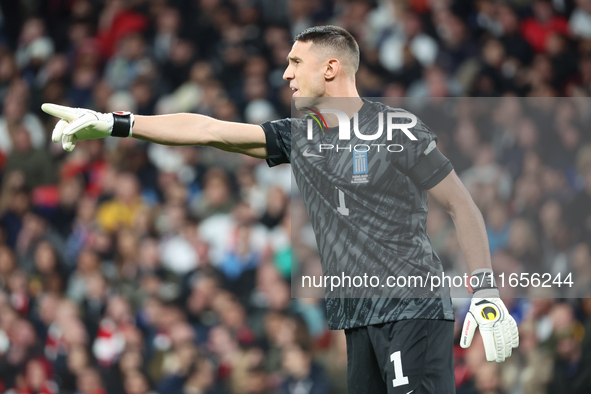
497, 327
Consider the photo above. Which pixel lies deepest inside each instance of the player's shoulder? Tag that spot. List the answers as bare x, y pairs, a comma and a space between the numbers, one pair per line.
403, 116
371, 107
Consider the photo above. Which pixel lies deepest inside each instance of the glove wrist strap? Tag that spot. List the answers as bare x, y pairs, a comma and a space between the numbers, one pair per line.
481, 279
122, 124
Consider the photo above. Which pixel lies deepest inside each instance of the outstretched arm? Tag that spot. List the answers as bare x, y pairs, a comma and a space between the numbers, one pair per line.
193, 129
178, 129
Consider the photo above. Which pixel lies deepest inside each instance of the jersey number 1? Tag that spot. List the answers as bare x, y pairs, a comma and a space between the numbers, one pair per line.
399, 378
342, 209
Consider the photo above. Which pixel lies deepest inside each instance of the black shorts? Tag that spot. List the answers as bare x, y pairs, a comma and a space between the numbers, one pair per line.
407, 356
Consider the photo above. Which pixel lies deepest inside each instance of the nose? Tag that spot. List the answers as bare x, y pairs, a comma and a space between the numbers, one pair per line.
288, 74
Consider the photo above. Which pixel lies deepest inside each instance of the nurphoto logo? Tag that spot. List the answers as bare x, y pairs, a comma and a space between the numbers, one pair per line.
345, 130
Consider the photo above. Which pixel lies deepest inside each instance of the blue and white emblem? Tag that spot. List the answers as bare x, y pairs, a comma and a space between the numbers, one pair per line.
360, 167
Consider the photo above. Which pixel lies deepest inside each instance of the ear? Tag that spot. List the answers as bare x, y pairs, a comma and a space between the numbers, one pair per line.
333, 66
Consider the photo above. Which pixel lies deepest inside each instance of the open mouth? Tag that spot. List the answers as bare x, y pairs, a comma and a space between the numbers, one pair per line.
295, 91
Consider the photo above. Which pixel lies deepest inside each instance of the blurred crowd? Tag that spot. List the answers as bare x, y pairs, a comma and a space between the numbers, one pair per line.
133, 268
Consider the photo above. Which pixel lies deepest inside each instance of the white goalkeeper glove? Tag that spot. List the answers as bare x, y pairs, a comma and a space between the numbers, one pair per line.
497, 327
78, 124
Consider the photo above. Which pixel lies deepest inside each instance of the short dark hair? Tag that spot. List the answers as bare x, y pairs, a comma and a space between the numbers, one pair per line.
334, 37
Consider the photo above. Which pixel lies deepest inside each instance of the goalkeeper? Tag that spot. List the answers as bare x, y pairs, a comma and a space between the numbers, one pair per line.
394, 346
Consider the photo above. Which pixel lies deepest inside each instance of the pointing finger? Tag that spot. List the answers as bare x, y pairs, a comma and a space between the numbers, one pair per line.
60, 111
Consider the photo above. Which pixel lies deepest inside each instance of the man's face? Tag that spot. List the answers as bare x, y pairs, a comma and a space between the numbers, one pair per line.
305, 71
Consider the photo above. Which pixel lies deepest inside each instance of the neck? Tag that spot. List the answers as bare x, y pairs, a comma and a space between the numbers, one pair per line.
343, 97
348, 105
346, 88
339, 95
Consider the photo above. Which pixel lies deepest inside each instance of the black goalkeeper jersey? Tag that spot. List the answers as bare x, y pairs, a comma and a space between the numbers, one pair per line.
367, 209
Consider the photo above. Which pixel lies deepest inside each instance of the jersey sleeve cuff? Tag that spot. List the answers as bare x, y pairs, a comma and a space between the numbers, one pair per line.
274, 154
